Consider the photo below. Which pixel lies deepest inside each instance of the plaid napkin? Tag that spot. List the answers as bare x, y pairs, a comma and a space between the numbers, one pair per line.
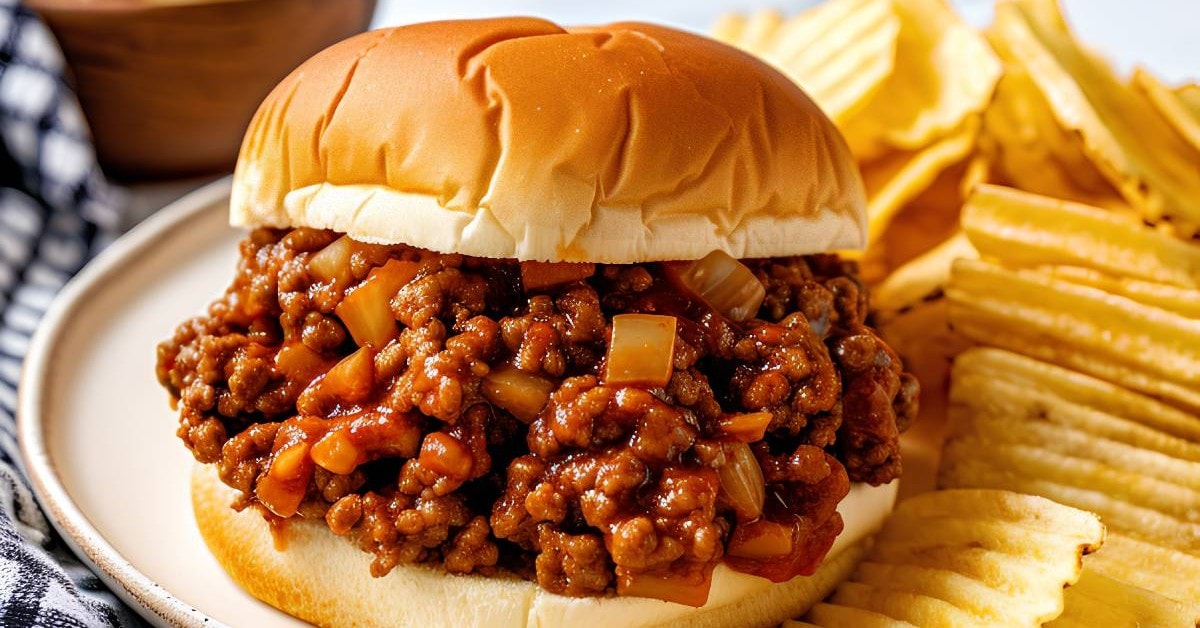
56, 211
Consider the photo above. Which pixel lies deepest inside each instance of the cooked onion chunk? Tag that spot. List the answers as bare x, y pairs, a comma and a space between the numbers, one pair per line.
366, 311
725, 284
641, 351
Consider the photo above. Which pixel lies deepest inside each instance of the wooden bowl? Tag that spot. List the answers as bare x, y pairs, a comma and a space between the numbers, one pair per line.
168, 89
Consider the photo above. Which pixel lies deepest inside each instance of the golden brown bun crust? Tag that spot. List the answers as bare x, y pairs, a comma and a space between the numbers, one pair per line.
324, 579
518, 138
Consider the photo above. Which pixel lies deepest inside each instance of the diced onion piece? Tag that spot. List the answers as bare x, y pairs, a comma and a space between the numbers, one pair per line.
725, 284
366, 310
746, 427
281, 489
332, 263
760, 539
444, 454
299, 363
641, 351
522, 394
742, 483
542, 275
336, 454
352, 378
681, 589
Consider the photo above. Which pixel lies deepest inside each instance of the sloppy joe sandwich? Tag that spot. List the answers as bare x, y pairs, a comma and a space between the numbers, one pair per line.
539, 325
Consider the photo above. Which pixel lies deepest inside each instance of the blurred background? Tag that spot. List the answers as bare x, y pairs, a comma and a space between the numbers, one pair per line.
168, 86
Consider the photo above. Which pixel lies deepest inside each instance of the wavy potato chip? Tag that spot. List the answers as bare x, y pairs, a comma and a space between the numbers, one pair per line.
1164, 570
963, 466
1142, 156
1109, 336
944, 73
840, 52
989, 396
1075, 388
1189, 97
1096, 600
922, 279
834, 616
1026, 229
1182, 301
1028, 149
924, 223
899, 177
966, 558
1169, 105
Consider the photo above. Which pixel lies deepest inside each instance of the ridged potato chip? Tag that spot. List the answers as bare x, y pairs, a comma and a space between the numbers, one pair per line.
1182, 301
1023, 425
923, 223
1028, 149
966, 558
1109, 336
840, 51
1167, 571
922, 279
1169, 105
834, 616
944, 74
1096, 600
899, 177
1080, 391
1029, 229
1142, 156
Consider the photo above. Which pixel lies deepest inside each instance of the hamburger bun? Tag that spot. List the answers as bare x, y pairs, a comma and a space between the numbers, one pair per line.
517, 138
341, 591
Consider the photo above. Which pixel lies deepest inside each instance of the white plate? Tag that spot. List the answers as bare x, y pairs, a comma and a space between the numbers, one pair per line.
95, 426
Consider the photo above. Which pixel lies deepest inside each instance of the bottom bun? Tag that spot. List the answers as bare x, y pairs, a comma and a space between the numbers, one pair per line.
324, 579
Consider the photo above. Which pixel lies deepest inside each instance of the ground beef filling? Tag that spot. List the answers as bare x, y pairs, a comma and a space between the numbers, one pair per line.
463, 419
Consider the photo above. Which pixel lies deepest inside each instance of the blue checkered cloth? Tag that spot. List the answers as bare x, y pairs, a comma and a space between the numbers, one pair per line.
56, 212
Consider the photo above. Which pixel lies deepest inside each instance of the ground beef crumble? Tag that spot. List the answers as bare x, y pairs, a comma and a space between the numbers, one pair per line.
605, 486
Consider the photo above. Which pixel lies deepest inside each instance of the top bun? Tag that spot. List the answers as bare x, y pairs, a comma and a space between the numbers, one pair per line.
517, 138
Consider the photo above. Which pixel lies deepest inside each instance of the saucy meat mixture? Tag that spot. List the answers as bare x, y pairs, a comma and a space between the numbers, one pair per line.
593, 427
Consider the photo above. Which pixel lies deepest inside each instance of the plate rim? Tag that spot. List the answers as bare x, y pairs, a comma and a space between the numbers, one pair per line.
136, 589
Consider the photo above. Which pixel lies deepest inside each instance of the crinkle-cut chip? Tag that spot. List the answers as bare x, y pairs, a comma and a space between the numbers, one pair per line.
945, 72
1141, 155
999, 332
1164, 570
922, 279
840, 51
1026, 229
1169, 105
913, 608
1096, 600
923, 223
967, 558
1189, 96
1033, 447
1027, 148
971, 462
1168, 498
728, 28
989, 397
1080, 389
964, 592
834, 616
1027, 511
1182, 301
1110, 336
897, 178
759, 30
